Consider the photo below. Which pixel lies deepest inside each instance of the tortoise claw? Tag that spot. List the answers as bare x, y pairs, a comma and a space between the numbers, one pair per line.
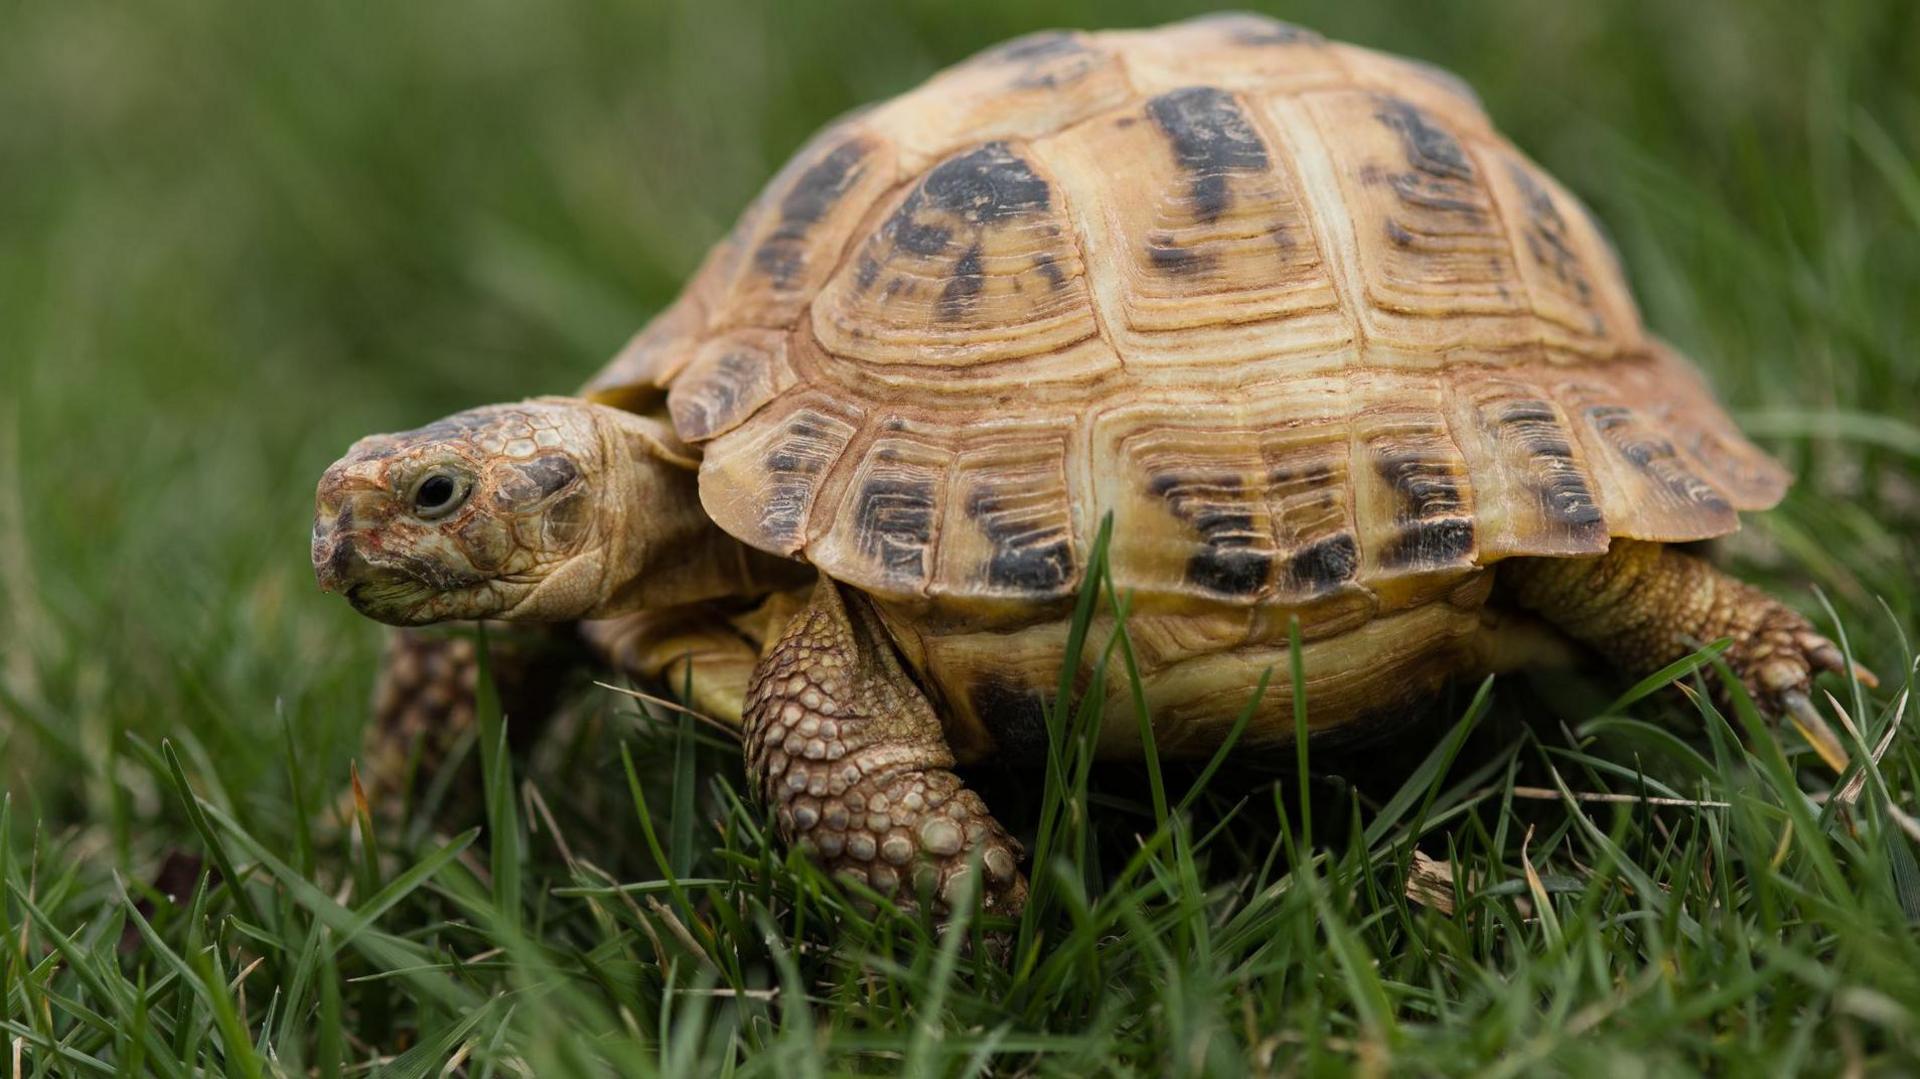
1815, 729
1824, 655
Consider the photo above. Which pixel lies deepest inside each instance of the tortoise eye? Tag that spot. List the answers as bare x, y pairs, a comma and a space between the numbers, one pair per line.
438, 494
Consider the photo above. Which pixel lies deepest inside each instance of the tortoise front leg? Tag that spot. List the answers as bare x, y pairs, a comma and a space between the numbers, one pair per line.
848, 753
1644, 605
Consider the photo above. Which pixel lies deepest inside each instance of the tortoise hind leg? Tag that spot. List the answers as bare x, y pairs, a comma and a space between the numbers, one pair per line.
1644, 605
848, 753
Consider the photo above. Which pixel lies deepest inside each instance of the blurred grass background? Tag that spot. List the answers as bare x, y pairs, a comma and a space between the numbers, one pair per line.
235, 236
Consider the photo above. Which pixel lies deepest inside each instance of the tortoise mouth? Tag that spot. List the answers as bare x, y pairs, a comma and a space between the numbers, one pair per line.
373, 598
394, 587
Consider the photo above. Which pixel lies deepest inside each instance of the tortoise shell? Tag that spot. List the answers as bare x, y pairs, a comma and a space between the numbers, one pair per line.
1293, 311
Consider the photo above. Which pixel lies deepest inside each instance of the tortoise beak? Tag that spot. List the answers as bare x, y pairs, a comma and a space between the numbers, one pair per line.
351, 496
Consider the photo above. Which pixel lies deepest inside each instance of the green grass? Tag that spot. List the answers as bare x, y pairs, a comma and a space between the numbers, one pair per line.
235, 238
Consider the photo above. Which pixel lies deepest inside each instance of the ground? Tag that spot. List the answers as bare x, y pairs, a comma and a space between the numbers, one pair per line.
238, 237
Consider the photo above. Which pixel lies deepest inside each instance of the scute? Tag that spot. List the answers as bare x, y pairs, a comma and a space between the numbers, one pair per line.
1293, 312
975, 265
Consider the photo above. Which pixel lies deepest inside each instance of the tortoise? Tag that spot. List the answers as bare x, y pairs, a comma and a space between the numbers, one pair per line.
1325, 347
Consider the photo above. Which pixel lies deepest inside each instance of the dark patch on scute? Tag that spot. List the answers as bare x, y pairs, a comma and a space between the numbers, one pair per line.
1567, 499
1429, 148
696, 417
1398, 234
1016, 717
793, 464
963, 286
782, 513
1553, 474
782, 254
699, 409
1028, 556
1425, 191
1044, 60
895, 525
1323, 566
1180, 261
1528, 412
1212, 140
1446, 541
1549, 242
986, 185
915, 237
1424, 486
1247, 28
1236, 557
1038, 564
1654, 456
1432, 530
1229, 571
971, 192
1050, 269
1038, 45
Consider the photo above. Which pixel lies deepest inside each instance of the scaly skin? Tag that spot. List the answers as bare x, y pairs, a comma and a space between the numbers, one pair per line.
850, 756
1645, 605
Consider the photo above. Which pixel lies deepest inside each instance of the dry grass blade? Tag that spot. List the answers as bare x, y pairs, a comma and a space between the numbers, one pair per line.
358, 793
729, 993
537, 806
1544, 794
1850, 793
674, 706
679, 931
239, 980
1430, 882
1543, 905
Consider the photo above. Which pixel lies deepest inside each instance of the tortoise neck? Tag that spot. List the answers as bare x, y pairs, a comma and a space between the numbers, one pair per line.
666, 550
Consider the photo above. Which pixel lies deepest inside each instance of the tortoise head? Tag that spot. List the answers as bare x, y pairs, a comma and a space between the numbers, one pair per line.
544, 510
